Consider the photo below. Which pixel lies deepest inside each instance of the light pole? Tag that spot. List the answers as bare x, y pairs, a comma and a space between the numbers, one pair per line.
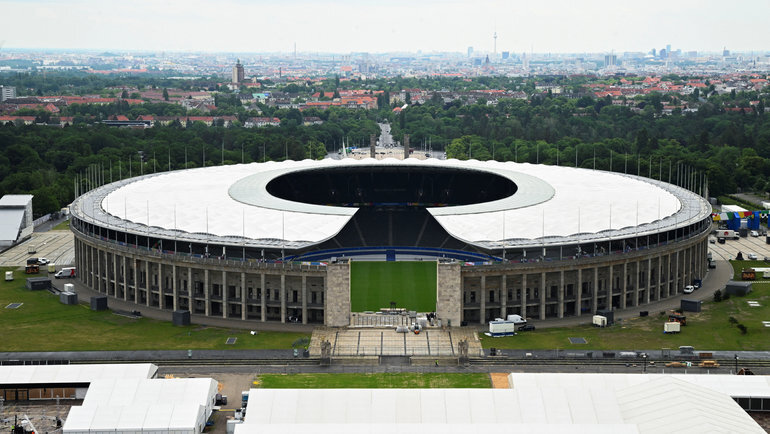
644, 362
736, 364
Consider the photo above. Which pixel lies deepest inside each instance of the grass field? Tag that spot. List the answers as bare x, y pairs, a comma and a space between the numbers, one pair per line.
706, 330
412, 285
44, 324
373, 381
63, 226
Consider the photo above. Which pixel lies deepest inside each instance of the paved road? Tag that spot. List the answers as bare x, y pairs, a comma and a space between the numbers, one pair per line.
57, 246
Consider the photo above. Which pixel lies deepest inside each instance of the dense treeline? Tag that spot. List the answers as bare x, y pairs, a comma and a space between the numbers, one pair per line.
732, 148
44, 161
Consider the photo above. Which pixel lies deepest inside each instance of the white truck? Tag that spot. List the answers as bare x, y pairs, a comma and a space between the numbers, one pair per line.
729, 234
517, 319
502, 327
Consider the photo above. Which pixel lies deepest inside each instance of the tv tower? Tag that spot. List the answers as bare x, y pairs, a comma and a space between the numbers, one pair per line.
494, 51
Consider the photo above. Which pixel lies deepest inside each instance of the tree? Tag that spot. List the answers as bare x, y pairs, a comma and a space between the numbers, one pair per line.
124, 95
165, 94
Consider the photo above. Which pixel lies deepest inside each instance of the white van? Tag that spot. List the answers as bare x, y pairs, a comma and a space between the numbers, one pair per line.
64, 273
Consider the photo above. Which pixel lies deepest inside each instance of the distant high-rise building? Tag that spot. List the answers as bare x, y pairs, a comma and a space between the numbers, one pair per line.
654, 52
668, 49
610, 60
506, 55
663, 53
7, 92
725, 52
238, 74
470, 51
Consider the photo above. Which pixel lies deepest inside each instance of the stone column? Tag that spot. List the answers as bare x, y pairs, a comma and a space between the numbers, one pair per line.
174, 288
283, 298
161, 281
125, 278
579, 292
504, 296
263, 298
649, 281
611, 282
659, 281
224, 294
114, 275
304, 299
243, 295
206, 291
624, 290
483, 300
136, 281
98, 280
595, 299
449, 293
677, 279
542, 295
561, 294
147, 269
637, 279
524, 295
337, 299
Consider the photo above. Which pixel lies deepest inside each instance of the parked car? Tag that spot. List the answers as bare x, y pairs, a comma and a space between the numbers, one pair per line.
752, 256
689, 289
43, 261
754, 233
721, 240
526, 328
712, 240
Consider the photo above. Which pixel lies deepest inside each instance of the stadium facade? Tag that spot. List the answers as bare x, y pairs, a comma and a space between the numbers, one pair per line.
275, 241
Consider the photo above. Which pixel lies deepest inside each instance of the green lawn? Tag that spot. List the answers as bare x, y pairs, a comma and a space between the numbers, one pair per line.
373, 381
707, 330
44, 324
63, 226
412, 285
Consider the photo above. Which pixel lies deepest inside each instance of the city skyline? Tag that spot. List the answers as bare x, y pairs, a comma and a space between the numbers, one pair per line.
554, 26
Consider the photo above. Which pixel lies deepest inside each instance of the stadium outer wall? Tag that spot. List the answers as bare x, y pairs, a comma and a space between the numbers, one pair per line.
251, 292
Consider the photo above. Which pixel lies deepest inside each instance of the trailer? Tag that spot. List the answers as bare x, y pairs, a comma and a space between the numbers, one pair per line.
599, 321
671, 327
502, 328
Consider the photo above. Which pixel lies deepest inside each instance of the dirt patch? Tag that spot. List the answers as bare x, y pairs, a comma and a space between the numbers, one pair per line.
499, 380
763, 419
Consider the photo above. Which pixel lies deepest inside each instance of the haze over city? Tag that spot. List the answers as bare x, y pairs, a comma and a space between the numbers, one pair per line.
552, 26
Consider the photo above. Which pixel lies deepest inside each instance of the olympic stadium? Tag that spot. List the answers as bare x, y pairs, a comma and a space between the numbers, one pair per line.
315, 241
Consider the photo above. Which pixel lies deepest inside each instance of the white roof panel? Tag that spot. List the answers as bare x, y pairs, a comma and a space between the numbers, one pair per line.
52, 374
15, 200
10, 223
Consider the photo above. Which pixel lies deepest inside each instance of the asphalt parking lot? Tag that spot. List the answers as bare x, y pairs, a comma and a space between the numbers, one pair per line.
729, 250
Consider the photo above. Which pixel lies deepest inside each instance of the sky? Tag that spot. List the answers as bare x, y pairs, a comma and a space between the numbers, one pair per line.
345, 26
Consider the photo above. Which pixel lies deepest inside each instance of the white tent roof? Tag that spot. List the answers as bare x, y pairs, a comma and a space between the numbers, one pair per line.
10, 223
52, 374
553, 201
537, 403
136, 405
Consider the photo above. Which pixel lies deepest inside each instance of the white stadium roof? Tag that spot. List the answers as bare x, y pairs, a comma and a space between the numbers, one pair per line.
229, 203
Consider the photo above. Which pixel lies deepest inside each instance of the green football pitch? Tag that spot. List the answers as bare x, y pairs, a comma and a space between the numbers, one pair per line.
411, 285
